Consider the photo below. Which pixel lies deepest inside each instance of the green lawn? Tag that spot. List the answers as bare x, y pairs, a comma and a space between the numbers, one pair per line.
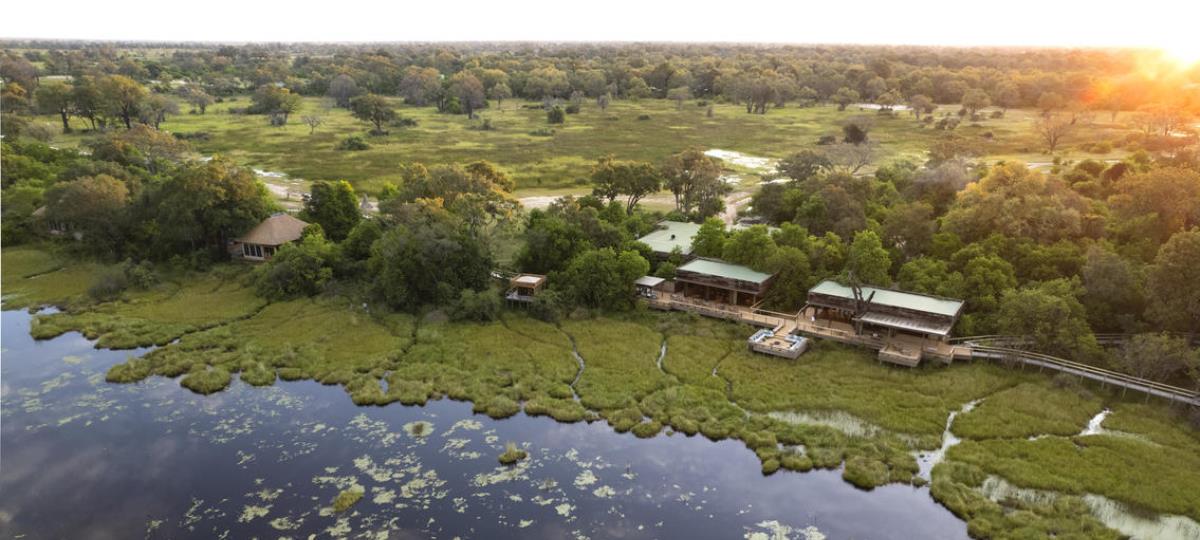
563, 159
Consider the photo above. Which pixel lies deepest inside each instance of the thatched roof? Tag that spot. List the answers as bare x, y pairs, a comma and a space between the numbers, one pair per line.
276, 230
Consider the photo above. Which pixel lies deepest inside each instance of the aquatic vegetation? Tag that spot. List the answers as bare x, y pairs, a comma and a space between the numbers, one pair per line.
1145, 475
159, 315
512, 454
347, 498
203, 380
1029, 409
958, 486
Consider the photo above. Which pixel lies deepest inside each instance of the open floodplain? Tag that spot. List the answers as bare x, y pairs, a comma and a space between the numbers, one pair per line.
697, 438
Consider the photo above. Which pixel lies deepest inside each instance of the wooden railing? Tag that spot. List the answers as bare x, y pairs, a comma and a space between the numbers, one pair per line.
1104, 376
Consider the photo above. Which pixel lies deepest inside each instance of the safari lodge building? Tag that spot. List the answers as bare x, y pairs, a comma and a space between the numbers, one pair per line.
261, 242
712, 280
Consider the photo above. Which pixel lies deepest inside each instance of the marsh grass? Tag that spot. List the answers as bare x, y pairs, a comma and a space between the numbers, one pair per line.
512, 454
1029, 409
37, 276
347, 498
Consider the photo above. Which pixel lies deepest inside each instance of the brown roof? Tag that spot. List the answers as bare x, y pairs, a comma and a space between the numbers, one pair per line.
276, 230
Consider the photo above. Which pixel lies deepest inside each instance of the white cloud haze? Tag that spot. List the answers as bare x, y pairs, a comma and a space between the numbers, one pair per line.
1148, 23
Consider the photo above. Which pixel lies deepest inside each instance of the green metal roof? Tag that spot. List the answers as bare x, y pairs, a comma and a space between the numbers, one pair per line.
726, 270
670, 235
888, 297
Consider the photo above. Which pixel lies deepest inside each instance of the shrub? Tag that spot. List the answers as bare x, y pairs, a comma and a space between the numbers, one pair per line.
556, 115
403, 122
827, 140
140, 275
572, 109
480, 306
643, 117
353, 142
997, 114
194, 136
547, 306
542, 132
108, 286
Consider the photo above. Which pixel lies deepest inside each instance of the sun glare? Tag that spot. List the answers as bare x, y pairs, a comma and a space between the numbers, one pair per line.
1185, 55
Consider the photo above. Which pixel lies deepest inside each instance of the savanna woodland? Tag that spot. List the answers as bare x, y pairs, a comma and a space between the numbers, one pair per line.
1055, 192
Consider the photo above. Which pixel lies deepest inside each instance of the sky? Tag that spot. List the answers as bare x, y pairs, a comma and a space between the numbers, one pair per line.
1169, 24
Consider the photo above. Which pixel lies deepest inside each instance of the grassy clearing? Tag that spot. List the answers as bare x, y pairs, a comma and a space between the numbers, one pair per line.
563, 158
160, 315
33, 276
1028, 409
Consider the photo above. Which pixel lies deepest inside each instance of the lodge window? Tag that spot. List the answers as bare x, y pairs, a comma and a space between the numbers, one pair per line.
252, 250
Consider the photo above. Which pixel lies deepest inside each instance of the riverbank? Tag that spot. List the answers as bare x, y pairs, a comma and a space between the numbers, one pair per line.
1027, 428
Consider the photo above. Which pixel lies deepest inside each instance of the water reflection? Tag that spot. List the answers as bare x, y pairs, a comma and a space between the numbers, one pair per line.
82, 457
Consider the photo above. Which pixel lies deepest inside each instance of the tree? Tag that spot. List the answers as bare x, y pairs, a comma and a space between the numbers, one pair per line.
1050, 317
844, 97
334, 207
635, 180
793, 278
694, 179
374, 109
974, 100
195, 96
276, 101
1049, 102
848, 159
679, 95
556, 115
603, 101
920, 104
550, 242
94, 206
1159, 357
867, 261
206, 205
419, 86
155, 108
637, 89
500, 92
804, 165
909, 227
751, 247
56, 98
1157, 203
930, 276
1052, 129
121, 96
856, 129
710, 239
1006, 95
426, 258
1017, 202
469, 91
1113, 292
1173, 284
603, 278
313, 121
342, 89
297, 269
985, 278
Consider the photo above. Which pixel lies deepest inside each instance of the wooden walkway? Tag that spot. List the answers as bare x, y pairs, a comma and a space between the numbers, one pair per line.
910, 350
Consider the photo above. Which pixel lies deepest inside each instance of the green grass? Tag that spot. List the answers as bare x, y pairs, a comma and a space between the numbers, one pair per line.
621, 362
1028, 409
160, 315
35, 276
565, 158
